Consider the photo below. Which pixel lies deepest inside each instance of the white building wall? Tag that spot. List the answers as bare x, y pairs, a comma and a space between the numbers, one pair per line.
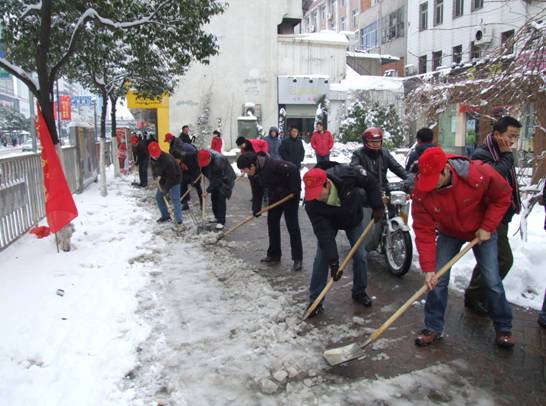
251, 56
497, 16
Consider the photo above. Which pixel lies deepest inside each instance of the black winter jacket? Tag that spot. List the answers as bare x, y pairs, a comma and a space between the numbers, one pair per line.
292, 150
168, 171
355, 189
280, 178
220, 174
504, 167
414, 156
141, 152
376, 164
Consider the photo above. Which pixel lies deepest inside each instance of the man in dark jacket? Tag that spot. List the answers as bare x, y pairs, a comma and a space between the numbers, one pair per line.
165, 167
497, 152
142, 159
174, 142
292, 149
424, 141
375, 159
186, 157
334, 198
217, 169
280, 178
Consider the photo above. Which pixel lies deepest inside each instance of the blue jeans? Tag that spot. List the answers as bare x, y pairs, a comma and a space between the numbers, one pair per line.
498, 307
542, 314
174, 192
321, 267
323, 158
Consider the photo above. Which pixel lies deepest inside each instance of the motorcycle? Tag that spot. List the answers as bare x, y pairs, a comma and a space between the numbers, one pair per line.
393, 239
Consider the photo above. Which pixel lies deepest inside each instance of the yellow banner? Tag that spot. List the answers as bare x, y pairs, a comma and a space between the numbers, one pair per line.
135, 102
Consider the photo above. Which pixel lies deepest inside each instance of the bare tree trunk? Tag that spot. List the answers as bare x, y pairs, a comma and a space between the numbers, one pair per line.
539, 170
102, 163
113, 101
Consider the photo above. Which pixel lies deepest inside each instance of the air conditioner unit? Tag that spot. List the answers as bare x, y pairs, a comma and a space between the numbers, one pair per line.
483, 36
391, 73
410, 70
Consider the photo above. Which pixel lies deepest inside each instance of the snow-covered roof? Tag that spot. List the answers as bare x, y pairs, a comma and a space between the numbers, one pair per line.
326, 37
366, 55
354, 81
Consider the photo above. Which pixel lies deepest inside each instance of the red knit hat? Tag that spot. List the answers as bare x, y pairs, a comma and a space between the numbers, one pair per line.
154, 150
203, 157
168, 137
314, 181
431, 164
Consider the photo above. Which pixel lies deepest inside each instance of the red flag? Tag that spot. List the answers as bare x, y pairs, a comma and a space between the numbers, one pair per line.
60, 206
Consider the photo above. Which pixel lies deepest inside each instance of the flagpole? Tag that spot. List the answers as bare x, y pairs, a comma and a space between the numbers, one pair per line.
56, 243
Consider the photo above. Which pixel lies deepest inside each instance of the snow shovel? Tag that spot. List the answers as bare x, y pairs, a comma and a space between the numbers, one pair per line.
179, 227
341, 268
252, 217
203, 227
339, 355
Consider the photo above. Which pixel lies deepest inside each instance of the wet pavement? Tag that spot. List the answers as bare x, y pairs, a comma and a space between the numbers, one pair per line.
516, 376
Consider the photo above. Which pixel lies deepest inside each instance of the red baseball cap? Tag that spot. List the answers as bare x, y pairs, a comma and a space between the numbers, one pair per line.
431, 164
203, 157
154, 150
168, 137
314, 180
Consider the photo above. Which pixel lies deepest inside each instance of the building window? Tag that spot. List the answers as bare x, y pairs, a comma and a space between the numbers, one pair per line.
393, 26
342, 24
369, 36
506, 36
458, 8
458, 54
423, 64
323, 13
342, 2
436, 59
438, 12
477, 4
474, 51
423, 16
355, 18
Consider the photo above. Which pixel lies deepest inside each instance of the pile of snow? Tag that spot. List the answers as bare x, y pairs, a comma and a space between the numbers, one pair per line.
354, 81
69, 330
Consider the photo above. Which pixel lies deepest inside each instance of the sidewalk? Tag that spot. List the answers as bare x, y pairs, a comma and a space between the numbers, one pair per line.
512, 377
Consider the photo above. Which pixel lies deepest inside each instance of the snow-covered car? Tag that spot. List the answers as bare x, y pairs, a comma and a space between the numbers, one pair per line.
27, 146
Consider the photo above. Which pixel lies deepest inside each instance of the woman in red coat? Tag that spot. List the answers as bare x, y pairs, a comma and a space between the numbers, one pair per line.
216, 142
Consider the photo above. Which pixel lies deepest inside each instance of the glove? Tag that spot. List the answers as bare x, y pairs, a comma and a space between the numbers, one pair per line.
334, 271
163, 191
257, 213
378, 214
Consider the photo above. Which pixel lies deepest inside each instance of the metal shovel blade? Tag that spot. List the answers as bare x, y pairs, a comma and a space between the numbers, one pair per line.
339, 355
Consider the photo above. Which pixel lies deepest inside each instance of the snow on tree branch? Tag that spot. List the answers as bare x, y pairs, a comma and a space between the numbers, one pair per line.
31, 8
20, 73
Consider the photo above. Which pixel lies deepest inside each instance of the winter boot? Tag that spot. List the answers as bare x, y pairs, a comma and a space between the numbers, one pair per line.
297, 266
270, 260
163, 219
363, 299
318, 310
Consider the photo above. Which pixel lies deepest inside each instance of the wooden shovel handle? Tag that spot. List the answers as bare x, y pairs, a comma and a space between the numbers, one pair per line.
193, 183
419, 293
252, 217
341, 268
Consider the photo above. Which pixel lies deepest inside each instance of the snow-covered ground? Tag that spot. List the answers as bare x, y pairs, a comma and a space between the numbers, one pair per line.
147, 316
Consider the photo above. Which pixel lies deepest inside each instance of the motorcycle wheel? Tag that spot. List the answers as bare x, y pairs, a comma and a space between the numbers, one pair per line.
399, 252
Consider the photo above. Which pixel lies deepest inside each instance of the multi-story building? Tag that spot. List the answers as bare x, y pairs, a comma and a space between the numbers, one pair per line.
376, 29
448, 33
263, 67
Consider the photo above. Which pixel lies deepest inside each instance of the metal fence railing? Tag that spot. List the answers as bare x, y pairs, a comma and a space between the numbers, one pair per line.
22, 199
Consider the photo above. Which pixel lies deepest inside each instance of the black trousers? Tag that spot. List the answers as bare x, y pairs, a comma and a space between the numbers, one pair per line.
143, 172
186, 181
290, 210
219, 205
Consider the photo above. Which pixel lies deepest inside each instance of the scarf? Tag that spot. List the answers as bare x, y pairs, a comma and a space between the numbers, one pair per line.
495, 153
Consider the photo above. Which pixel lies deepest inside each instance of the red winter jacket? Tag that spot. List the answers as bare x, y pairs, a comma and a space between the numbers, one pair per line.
322, 143
259, 145
216, 144
477, 198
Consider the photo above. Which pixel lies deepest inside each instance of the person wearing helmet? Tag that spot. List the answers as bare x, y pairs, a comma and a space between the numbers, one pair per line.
375, 159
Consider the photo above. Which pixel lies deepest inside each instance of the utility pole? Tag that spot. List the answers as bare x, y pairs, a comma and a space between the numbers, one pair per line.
32, 118
58, 112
